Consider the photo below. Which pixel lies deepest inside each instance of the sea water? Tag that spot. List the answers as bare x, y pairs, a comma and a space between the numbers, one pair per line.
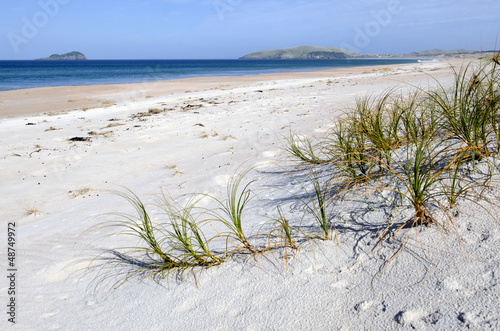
30, 74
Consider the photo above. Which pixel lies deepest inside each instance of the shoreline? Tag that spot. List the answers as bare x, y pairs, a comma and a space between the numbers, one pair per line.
67, 98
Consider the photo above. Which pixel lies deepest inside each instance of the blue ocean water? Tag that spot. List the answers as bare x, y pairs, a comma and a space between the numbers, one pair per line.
29, 74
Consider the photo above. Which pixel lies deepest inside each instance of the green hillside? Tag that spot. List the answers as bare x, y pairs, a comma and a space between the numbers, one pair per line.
302, 52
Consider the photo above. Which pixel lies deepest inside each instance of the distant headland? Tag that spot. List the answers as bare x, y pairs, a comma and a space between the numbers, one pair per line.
324, 53
302, 52
71, 56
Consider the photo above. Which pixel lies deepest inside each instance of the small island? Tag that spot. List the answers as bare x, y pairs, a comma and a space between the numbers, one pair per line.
72, 56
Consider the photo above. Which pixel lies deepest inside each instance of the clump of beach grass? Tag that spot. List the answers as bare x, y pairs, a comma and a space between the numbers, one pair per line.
468, 111
148, 257
318, 206
230, 213
283, 232
187, 235
283, 237
178, 242
348, 149
377, 121
173, 246
422, 146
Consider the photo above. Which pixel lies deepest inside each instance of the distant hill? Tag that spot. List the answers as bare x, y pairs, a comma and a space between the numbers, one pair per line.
437, 51
301, 52
310, 52
67, 56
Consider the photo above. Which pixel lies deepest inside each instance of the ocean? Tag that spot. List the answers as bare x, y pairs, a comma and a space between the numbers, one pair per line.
30, 74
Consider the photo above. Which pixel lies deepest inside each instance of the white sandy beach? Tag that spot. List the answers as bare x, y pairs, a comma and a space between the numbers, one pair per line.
56, 190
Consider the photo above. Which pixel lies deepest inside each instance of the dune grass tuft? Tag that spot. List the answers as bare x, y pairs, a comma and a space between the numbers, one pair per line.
186, 234
230, 213
422, 146
283, 232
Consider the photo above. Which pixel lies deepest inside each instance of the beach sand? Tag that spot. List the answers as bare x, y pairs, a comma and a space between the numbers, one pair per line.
190, 136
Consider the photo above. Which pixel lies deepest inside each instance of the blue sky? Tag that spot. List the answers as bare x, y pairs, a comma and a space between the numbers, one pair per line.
225, 29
